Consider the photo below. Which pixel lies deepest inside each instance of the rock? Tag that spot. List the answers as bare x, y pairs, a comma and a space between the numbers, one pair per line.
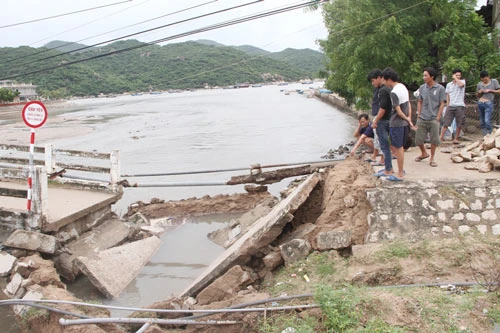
486, 167
33, 241
349, 201
273, 260
6, 263
333, 240
255, 188
295, 250
234, 280
457, 159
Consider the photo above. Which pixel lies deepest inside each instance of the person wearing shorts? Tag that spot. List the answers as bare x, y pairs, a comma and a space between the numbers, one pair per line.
429, 110
455, 109
400, 120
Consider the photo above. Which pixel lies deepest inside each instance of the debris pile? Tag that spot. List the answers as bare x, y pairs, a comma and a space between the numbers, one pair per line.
483, 154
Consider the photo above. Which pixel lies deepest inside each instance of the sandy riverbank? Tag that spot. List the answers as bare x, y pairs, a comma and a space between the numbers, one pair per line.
15, 131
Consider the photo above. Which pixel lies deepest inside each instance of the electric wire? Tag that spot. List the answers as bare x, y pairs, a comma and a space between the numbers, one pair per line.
45, 50
60, 15
141, 32
192, 32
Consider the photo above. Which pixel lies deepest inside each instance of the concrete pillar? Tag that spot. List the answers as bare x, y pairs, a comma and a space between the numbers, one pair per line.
39, 199
115, 169
50, 161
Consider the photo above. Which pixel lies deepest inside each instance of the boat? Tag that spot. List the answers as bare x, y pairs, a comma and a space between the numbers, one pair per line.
155, 93
256, 85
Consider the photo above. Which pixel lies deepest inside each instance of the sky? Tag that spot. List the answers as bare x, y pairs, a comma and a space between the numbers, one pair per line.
294, 29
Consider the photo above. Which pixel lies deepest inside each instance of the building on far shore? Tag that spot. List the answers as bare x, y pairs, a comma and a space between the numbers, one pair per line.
27, 90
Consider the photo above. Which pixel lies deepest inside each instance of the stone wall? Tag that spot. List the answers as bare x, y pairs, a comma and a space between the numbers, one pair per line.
433, 209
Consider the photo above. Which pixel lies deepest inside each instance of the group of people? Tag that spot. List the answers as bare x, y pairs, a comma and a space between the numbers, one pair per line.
392, 116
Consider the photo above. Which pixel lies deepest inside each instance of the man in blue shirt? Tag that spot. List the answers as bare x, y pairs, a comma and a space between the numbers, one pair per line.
365, 135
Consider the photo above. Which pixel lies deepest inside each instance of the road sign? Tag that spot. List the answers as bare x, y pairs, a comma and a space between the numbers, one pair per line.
35, 114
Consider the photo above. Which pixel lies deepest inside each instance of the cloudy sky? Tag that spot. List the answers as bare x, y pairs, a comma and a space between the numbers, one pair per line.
296, 28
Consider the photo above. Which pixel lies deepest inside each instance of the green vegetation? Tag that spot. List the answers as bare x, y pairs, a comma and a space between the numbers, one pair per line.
408, 36
7, 95
145, 67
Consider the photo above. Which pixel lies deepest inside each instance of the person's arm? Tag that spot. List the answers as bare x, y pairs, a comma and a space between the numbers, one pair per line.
458, 82
358, 143
440, 111
419, 107
356, 131
379, 116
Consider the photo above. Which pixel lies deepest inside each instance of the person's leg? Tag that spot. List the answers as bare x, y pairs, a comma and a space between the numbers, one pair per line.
368, 143
397, 141
447, 120
420, 137
383, 136
434, 133
488, 111
480, 110
460, 121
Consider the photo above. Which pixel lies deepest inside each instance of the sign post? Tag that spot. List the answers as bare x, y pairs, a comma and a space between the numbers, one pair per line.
34, 116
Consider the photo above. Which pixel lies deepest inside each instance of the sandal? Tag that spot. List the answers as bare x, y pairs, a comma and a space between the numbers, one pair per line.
433, 164
393, 178
420, 158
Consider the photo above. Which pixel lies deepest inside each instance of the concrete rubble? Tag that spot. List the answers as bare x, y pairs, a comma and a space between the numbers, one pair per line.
105, 236
33, 241
111, 270
7, 262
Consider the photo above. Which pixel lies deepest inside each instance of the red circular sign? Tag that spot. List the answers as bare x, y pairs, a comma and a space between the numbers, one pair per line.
34, 114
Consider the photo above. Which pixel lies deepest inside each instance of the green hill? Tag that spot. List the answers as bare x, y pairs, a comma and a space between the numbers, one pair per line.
144, 67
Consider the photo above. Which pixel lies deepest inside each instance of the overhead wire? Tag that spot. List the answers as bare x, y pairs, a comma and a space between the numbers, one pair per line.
185, 34
60, 15
142, 32
107, 32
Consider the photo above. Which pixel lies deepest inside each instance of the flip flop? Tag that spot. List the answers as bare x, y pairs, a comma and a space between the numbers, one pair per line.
369, 160
393, 178
420, 158
380, 173
376, 164
433, 164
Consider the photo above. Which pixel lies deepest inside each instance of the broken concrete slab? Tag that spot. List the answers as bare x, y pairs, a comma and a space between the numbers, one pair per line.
262, 233
13, 286
33, 241
109, 234
111, 270
7, 262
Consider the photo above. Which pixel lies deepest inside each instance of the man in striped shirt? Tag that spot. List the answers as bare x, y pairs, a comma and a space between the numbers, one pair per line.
455, 105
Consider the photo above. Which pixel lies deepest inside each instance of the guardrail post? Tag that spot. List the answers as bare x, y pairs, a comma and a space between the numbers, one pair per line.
50, 161
39, 199
115, 169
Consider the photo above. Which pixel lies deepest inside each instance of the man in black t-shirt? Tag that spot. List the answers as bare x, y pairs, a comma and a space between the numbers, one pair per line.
381, 122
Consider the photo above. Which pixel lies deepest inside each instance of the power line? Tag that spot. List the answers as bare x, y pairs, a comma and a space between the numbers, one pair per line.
81, 40
59, 15
142, 32
185, 34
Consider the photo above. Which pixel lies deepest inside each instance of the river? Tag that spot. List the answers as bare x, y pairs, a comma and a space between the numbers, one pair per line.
199, 130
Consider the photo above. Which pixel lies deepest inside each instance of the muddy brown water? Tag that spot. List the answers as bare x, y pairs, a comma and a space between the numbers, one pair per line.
190, 131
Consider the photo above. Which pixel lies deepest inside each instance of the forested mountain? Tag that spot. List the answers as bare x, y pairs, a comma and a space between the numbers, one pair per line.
144, 67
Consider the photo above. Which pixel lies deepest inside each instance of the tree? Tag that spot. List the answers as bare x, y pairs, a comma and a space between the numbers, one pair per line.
7, 95
407, 36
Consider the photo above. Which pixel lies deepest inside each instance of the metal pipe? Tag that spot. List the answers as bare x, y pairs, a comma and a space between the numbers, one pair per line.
226, 170
143, 328
67, 322
181, 184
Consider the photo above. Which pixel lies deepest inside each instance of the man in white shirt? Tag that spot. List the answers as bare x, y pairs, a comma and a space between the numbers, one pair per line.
455, 105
